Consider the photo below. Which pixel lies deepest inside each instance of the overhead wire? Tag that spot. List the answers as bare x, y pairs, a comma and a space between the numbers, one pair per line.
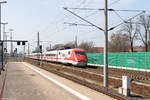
92, 14
126, 20
56, 23
82, 3
118, 15
114, 2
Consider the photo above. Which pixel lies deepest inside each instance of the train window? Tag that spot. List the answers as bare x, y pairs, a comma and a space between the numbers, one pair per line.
50, 54
80, 53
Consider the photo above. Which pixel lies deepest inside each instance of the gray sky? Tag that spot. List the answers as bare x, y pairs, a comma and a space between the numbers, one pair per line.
27, 17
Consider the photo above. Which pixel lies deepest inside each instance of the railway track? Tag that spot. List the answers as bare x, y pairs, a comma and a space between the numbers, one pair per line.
116, 75
139, 76
94, 76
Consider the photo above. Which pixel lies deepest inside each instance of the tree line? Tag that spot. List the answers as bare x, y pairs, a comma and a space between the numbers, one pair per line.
134, 33
87, 46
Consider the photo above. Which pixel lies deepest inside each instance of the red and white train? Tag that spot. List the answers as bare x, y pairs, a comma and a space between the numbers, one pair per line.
75, 56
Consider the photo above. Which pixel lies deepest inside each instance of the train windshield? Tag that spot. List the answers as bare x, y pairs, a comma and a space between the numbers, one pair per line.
80, 53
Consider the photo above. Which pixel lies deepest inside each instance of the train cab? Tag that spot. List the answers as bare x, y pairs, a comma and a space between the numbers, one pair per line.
80, 57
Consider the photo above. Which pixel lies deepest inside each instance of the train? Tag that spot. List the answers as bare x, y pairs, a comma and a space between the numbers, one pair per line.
76, 56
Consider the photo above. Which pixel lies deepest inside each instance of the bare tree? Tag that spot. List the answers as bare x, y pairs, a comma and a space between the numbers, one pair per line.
70, 45
87, 46
145, 23
132, 31
119, 43
84, 45
58, 46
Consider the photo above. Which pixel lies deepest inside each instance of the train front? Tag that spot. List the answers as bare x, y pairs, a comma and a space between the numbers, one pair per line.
81, 57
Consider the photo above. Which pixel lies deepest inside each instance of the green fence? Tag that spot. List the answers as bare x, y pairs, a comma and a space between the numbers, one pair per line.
139, 60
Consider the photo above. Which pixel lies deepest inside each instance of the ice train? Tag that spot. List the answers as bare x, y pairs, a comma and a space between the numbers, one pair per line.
76, 56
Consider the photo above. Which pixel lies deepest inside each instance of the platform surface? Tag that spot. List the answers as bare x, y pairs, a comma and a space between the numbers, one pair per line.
27, 82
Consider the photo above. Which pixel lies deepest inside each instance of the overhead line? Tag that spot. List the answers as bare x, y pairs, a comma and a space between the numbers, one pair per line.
83, 8
131, 10
83, 2
126, 21
108, 9
76, 24
83, 19
114, 2
87, 17
119, 16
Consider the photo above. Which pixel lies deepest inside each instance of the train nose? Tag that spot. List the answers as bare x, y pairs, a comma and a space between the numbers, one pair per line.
81, 58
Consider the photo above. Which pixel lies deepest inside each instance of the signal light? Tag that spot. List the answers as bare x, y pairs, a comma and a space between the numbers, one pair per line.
15, 50
18, 42
23, 43
5, 49
41, 48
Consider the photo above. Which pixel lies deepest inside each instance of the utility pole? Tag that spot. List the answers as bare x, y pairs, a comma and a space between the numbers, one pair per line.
4, 35
39, 54
6, 46
38, 46
6, 40
24, 50
76, 41
50, 46
11, 43
1, 16
38, 41
28, 48
105, 69
146, 42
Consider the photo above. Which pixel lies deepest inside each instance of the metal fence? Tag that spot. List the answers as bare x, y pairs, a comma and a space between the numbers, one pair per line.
138, 60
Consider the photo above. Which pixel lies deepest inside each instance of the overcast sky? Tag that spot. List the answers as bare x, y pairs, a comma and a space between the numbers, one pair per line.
27, 17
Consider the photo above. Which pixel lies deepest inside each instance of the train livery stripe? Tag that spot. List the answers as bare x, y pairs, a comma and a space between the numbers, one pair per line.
54, 58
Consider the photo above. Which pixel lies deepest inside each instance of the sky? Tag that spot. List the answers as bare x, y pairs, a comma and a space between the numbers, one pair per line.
27, 17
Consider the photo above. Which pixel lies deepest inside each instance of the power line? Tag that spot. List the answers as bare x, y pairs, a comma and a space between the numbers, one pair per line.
83, 8
82, 3
130, 10
102, 9
51, 23
142, 11
83, 19
58, 21
76, 22
119, 16
126, 20
116, 1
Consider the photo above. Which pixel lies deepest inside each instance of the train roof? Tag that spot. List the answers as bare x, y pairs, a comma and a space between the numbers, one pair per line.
74, 49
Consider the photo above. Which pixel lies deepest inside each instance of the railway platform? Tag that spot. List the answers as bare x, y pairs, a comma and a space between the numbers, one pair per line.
23, 81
